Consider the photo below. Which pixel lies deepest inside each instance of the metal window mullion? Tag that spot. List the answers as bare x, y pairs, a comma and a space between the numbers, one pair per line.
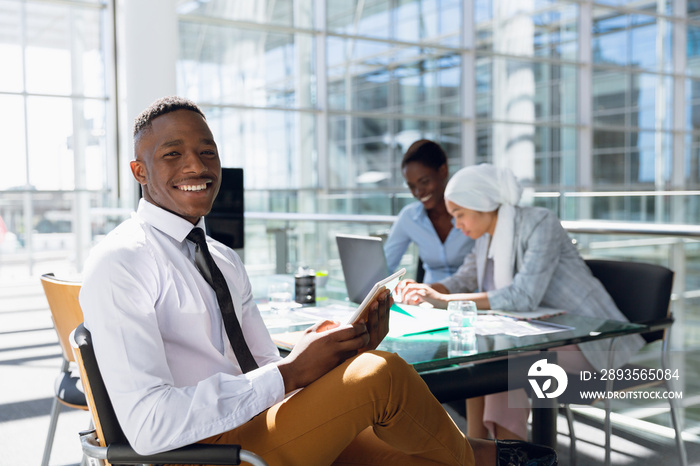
71, 95
321, 96
660, 111
585, 87
81, 200
678, 176
72, 3
468, 84
679, 60
112, 126
28, 207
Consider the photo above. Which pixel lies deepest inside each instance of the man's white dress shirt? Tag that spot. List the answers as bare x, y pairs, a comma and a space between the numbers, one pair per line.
159, 338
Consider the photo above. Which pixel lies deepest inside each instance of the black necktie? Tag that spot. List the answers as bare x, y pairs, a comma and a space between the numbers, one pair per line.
213, 275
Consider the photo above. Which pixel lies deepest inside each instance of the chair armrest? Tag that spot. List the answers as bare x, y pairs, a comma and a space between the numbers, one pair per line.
198, 453
191, 454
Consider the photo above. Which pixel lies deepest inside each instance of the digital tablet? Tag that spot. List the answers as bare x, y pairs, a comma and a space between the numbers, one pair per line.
363, 262
361, 312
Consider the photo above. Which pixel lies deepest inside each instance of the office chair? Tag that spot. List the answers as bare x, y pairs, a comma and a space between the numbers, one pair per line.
108, 442
642, 292
420, 271
66, 314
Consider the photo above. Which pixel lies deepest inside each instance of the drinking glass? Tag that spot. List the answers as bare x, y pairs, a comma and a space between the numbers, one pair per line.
462, 316
280, 296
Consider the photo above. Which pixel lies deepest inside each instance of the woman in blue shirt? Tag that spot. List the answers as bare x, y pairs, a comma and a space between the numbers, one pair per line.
441, 246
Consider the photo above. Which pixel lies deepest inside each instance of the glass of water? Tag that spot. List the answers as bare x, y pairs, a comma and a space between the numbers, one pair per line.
280, 296
462, 316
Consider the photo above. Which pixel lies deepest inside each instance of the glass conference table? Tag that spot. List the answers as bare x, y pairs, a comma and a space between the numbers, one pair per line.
486, 370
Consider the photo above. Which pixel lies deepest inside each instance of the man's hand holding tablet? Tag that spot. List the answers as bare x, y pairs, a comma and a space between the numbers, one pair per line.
389, 283
367, 326
377, 323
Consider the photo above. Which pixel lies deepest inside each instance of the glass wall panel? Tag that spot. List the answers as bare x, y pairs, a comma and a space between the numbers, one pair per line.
54, 122
541, 156
366, 153
650, 6
418, 21
484, 143
632, 40
65, 43
362, 18
437, 21
246, 66
14, 172
652, 96
693, 9
291, 13
540, 28
610, 42
360, 153
66, 139
50, 125
377, 77
524, 91
631, 99
692, 161
610, 97
693, 49
483, 91
11, 46
276, 148
44, 228
631, 158
628, 207
647, 34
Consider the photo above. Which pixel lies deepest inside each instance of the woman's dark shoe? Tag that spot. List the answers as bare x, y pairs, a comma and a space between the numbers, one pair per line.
518, 453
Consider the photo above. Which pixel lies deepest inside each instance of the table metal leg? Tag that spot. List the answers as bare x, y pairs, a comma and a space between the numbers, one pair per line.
544, 421
467, 381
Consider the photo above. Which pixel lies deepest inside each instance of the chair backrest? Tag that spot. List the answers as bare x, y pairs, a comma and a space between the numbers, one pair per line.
62, 296
103, 416
420, 271
641, 291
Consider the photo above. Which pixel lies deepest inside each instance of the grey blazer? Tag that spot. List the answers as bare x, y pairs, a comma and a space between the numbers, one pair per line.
547, 272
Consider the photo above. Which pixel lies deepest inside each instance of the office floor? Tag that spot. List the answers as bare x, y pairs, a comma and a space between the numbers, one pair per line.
30, 358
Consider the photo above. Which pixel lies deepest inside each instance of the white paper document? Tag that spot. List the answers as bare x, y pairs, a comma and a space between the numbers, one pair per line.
539, 313
503, 325
411, 320
406, 319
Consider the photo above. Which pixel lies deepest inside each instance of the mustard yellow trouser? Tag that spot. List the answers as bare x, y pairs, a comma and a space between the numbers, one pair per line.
374, 409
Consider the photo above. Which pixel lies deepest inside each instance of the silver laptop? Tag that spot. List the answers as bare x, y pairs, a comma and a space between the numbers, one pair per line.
364, 263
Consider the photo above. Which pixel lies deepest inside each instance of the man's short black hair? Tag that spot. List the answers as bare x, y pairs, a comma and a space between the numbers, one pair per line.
426, 152
161, 107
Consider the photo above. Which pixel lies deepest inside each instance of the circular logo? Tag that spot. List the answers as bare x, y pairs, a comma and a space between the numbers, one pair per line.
540, 376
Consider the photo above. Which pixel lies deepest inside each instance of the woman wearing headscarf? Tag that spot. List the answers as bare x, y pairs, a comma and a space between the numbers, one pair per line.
522, 259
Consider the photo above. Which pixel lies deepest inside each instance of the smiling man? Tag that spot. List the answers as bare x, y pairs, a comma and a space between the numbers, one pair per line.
186, 357
177, 161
